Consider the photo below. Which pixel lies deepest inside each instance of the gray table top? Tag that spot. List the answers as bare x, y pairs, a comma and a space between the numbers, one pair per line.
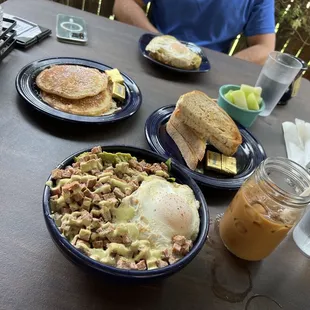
35, 275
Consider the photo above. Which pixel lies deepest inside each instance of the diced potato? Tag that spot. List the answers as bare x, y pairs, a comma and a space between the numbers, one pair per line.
239, 99
252, 102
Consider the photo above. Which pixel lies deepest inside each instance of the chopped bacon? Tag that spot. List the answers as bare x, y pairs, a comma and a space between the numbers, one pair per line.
172, 260
91, 183
96, 149
88, 193
180, 240
126, 240
76, 165
97, 185
109, 196
118, 193
176, 249
95, 172
98, 244
56, 174
155, 167
71, 186
78, 196
187, 247
123, 264
165, 254
56, 191
141, 265
66, 173
164, 167
161, 263
134, 164
96, 199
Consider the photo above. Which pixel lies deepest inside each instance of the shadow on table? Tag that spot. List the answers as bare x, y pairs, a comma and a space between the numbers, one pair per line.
231, 277
217, 197
70, 130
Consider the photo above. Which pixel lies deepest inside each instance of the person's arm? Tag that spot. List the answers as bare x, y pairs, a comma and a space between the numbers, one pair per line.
259, 48
260, 32
131, 12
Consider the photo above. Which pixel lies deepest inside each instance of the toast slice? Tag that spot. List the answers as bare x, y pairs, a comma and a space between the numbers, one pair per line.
190, 158
210, 121
195, 143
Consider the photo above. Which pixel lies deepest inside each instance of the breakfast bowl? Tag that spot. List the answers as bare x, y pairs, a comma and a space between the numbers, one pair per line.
81, 259
245, 117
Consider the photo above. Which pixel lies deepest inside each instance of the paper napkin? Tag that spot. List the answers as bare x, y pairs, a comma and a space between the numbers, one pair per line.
297, 141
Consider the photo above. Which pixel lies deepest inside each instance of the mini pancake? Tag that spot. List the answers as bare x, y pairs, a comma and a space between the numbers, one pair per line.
72, 82
91, 106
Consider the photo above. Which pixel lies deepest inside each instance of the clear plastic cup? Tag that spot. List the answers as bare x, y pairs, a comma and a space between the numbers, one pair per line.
301, 234
277, 74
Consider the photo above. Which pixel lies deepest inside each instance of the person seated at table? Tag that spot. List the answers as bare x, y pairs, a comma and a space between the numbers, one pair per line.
210, 23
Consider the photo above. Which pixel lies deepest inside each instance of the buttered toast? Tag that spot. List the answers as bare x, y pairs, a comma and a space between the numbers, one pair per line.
211, 122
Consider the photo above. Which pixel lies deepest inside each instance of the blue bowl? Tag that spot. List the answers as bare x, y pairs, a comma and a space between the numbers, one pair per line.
244, 117
91, 265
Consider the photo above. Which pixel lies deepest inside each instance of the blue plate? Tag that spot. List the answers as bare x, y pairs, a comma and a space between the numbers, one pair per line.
27, 88
204, 67
96, 267
249, 155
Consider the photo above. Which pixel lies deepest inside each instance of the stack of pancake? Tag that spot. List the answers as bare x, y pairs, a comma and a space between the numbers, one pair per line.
76, 89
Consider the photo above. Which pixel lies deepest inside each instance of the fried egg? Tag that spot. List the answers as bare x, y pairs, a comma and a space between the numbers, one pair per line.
169, 50
163, 210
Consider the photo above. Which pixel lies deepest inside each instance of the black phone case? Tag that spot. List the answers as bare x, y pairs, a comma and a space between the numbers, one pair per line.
26, 42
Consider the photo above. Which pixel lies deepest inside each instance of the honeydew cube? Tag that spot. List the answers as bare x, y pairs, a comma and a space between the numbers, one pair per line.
229, 97
252, 102
258, 91
239, 99
247, 89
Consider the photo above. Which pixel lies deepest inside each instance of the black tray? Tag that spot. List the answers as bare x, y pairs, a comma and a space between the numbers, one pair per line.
7, 38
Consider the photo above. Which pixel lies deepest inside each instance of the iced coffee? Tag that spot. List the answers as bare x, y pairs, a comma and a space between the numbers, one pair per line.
260, 216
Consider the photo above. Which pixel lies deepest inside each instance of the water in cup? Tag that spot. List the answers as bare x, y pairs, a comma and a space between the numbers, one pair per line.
272, 91
276, 76
301, 234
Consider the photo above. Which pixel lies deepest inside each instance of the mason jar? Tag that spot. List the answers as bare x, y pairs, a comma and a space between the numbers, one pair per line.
265, 208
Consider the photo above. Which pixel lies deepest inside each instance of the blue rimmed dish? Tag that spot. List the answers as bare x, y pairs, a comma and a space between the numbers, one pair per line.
205, 64
91, 265
27, 88
249, 154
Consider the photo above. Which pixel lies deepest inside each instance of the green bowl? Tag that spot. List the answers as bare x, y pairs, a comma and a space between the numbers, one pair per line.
244, 117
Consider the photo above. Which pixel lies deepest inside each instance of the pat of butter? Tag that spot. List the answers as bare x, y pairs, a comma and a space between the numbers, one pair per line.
118, 91
213, 161
115, 76
229, 165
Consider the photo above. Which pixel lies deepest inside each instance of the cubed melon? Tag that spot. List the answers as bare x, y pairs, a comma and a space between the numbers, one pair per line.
239, 99
252, 102
229, 97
